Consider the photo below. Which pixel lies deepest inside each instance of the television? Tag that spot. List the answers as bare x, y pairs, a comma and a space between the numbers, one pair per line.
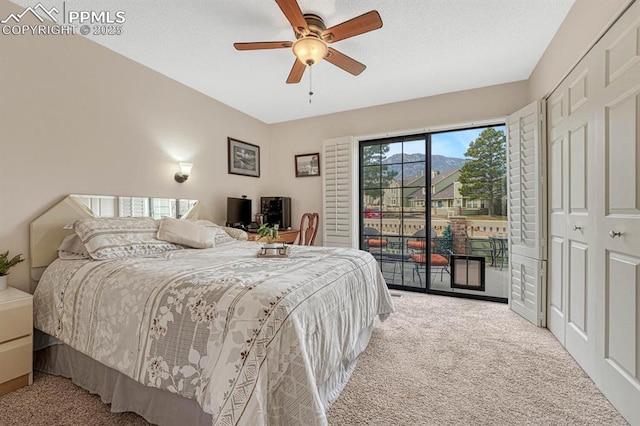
238, 212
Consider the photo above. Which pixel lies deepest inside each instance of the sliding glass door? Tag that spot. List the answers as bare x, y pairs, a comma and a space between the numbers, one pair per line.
433, 205
393, 214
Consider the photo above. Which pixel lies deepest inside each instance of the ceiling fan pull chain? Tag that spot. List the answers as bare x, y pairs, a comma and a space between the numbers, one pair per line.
310, 89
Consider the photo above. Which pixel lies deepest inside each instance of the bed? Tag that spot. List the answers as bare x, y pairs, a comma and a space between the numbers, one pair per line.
208, 336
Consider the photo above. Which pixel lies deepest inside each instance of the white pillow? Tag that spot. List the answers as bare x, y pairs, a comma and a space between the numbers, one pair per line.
110, 238
235, 233
72, 248
186, 233
221, 236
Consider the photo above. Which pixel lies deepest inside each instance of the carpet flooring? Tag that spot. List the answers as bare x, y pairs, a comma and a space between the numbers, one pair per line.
436, 361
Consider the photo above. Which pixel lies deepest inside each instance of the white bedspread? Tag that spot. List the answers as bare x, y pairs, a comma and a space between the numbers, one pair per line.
252, 340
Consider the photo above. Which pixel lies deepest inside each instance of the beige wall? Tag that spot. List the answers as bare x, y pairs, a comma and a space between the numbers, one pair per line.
584, 24
78, 118
306, 136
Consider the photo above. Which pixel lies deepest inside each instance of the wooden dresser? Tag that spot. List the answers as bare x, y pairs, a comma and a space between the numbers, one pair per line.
16, 339
288, 237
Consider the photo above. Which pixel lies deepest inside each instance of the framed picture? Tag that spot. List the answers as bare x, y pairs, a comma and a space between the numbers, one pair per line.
244, 158
308, 165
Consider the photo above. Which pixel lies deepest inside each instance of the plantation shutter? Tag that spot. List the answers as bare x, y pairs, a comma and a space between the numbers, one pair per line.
526, 201
525, 184
527, 288
339, 189
134, 207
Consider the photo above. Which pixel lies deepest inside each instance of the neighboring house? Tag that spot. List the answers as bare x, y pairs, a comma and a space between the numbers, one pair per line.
445, 195
415, 195
392, 197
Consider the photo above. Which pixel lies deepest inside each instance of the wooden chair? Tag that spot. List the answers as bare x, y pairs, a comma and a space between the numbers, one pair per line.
308, 229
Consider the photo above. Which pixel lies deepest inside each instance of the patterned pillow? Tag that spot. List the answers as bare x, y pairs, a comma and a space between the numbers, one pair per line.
186, 233
72, 248
235, 233
110, 238
221, 236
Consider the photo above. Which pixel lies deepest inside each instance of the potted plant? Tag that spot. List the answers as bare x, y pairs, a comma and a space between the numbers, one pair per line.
5, 265
270, 235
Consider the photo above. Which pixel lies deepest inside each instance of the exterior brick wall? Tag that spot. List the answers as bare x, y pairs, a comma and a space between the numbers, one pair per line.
458, 226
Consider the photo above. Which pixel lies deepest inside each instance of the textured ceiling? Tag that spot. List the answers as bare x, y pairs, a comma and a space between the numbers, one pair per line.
425, 47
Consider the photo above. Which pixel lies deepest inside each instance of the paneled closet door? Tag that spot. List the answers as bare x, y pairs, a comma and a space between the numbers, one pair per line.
571, 301
618, 255
557, 171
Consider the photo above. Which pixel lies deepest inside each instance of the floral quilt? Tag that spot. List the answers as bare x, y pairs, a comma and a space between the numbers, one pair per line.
251, 339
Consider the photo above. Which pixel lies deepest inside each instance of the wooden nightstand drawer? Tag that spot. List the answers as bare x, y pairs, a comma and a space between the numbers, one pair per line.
15, 358
16, 319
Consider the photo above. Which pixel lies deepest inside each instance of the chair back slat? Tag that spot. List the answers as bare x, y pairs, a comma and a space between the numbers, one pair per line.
308, 229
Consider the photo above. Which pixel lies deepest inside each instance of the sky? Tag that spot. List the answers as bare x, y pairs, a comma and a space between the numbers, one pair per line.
449, 144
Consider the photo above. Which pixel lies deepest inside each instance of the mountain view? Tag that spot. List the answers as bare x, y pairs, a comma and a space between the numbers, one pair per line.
438, 162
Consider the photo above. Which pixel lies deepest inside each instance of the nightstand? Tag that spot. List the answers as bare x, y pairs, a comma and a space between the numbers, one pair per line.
16, 339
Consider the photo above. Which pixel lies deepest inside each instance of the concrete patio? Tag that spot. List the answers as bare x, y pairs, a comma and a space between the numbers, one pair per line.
402, 271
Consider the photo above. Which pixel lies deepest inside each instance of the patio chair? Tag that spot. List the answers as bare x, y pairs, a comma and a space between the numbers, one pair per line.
439, 257
373, 239
480, 246
384, 251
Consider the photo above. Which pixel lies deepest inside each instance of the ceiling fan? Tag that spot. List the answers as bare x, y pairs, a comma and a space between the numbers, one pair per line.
312, 37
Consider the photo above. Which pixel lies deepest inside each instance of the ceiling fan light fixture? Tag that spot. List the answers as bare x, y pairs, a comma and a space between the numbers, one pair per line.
310, 50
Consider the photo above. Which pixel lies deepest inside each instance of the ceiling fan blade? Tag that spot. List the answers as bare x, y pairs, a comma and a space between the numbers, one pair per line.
361, 24
343, 61
294, 15
296, 72
263, 45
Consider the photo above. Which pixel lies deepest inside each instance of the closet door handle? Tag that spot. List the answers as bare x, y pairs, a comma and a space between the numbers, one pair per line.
614, 234
577, 228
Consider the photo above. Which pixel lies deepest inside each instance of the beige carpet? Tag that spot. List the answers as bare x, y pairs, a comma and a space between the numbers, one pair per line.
437, 361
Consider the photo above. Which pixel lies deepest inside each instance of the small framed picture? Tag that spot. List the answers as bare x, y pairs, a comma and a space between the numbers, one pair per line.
244, 158
308, 165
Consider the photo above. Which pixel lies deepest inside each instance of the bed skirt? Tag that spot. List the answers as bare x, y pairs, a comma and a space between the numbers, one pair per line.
123, 393
155, 405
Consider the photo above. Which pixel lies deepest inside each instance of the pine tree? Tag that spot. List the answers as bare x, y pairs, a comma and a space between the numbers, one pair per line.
375, 174
483, 177
445, 242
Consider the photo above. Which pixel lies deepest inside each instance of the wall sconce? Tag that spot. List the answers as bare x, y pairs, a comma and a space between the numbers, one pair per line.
183, 174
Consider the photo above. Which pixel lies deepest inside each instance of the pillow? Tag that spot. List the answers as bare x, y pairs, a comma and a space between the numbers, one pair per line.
235, 233
221, 236
186, 233
72, 248
111, 238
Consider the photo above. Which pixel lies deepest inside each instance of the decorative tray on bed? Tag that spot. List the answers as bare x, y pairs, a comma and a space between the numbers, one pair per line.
278, 252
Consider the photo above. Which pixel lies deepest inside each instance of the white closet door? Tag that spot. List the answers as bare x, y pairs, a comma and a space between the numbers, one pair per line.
618, 233
557, 172
340, 193
572, 219
526, 206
